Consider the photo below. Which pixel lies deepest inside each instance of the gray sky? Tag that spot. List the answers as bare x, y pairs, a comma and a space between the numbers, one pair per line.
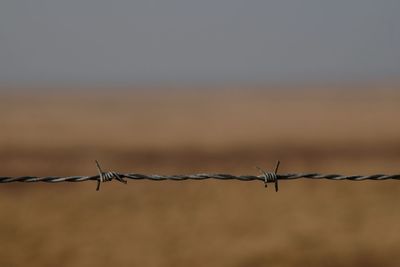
189, 41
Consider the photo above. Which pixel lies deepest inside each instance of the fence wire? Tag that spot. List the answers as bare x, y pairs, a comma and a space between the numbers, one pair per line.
266, 177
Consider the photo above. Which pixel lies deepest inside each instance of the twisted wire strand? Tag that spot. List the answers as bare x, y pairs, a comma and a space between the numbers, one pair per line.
200, 176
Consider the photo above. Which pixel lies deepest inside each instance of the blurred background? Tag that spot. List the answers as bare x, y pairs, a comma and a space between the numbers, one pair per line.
174, 87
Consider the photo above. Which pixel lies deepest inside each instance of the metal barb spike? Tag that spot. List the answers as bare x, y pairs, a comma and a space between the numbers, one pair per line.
271, 177
107, 176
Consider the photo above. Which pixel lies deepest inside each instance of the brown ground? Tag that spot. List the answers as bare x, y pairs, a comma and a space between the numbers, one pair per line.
207, 223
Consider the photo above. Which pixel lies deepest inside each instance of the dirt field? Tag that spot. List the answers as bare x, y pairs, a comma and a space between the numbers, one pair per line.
351, 130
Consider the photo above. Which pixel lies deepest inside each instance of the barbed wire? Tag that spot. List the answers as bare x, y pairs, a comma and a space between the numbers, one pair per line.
266, 177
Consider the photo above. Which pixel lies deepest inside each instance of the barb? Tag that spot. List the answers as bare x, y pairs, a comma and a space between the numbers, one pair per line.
271, 177
265, 177
107, 176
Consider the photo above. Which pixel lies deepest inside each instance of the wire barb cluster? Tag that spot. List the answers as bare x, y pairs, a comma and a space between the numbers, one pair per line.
107, 176
266, 177
271, 177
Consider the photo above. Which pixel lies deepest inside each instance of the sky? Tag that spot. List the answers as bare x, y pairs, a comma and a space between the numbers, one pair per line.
102, 41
